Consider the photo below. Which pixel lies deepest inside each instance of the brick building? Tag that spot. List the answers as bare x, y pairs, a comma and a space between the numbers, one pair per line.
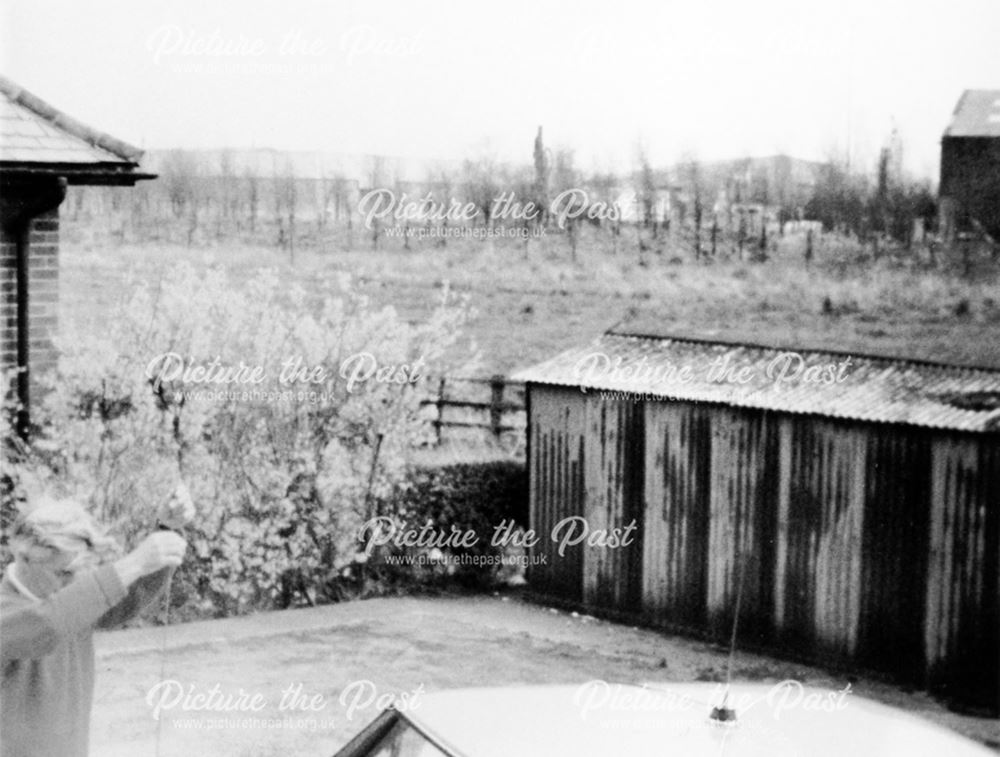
970, 166
42, 151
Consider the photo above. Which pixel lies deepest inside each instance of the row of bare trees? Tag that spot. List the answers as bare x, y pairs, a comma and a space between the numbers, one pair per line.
703, 210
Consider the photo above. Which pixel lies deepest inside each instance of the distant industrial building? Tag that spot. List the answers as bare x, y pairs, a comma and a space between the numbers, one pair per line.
970, 166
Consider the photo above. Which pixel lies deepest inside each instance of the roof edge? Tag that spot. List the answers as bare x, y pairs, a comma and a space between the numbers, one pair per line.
76, 175
793, 346
954, 113
53, 115
957, 114
988, 427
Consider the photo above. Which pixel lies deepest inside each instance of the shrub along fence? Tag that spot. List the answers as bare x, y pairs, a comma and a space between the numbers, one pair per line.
475, 497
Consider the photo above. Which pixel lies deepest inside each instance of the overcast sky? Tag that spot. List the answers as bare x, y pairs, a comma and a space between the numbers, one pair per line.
709, 78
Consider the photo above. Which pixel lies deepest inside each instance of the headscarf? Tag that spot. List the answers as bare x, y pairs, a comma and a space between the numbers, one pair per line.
63, 527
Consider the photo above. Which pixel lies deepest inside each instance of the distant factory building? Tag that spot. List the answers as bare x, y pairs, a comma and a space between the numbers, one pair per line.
970, 166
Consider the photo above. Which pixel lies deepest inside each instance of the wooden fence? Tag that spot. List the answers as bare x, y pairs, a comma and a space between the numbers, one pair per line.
484, 408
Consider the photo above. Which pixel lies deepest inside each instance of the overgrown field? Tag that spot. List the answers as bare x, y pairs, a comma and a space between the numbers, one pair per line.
534, 300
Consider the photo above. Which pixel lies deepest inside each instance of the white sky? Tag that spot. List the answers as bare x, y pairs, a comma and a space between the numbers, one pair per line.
429, 78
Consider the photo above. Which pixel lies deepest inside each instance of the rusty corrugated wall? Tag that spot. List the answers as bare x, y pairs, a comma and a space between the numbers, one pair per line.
613, 476
555, 479
963, 578
675, 547
870, 544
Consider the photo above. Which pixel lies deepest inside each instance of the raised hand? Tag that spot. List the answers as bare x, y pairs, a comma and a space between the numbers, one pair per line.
162, 549
178, 510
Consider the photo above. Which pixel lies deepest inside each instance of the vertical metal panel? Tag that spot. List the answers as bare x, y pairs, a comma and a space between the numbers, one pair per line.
839, 539
894, 548
678, 454
821, 512
784, 426
802, 513
600, 478
613, 475
556, 490
743, 519
960, 636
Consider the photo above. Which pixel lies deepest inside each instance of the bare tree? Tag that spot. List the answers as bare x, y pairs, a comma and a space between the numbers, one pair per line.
838, 198
285, 205
695, 186
376, 178
253, 197
543, 168
342, 206
226, 194
400, 190
565, 178
783, 190
480, 175
880, 201
645, 196
446, 185
647, 184
605, 184
323, 195
178, 177
524, 190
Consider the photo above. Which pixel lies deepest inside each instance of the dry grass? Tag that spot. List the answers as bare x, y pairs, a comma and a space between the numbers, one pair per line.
533, 302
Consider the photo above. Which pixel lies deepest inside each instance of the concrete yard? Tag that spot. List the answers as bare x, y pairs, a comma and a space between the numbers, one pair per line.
332, 664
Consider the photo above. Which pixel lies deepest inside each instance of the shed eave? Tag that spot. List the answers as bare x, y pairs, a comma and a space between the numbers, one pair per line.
989, 428
891, 391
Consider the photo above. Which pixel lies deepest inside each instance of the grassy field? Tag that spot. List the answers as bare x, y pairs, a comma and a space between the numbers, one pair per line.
532, 302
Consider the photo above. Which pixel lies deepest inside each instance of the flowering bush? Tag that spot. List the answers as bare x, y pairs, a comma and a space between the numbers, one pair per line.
287, 414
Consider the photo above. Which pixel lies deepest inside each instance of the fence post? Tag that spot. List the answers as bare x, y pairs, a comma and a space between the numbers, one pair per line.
439, 422
496, 404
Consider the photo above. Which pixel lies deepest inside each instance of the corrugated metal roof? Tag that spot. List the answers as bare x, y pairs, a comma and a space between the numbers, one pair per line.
34, 132
832, 384
976, 115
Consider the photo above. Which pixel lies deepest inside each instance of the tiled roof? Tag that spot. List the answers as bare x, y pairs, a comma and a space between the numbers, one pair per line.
857, 387
976, 115
33, 132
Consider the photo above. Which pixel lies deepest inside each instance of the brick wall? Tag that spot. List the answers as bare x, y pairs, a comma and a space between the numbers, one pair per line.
43, 297
8, 302
43, 294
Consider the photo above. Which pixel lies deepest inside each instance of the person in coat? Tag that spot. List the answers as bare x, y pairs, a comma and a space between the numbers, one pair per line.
64, 583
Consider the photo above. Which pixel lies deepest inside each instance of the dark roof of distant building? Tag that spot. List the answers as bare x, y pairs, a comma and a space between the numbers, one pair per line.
976, 115
855, 386
37, 138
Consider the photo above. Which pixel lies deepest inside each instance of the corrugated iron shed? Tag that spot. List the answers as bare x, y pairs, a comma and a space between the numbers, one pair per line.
855, 515
976, 115
833, 384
